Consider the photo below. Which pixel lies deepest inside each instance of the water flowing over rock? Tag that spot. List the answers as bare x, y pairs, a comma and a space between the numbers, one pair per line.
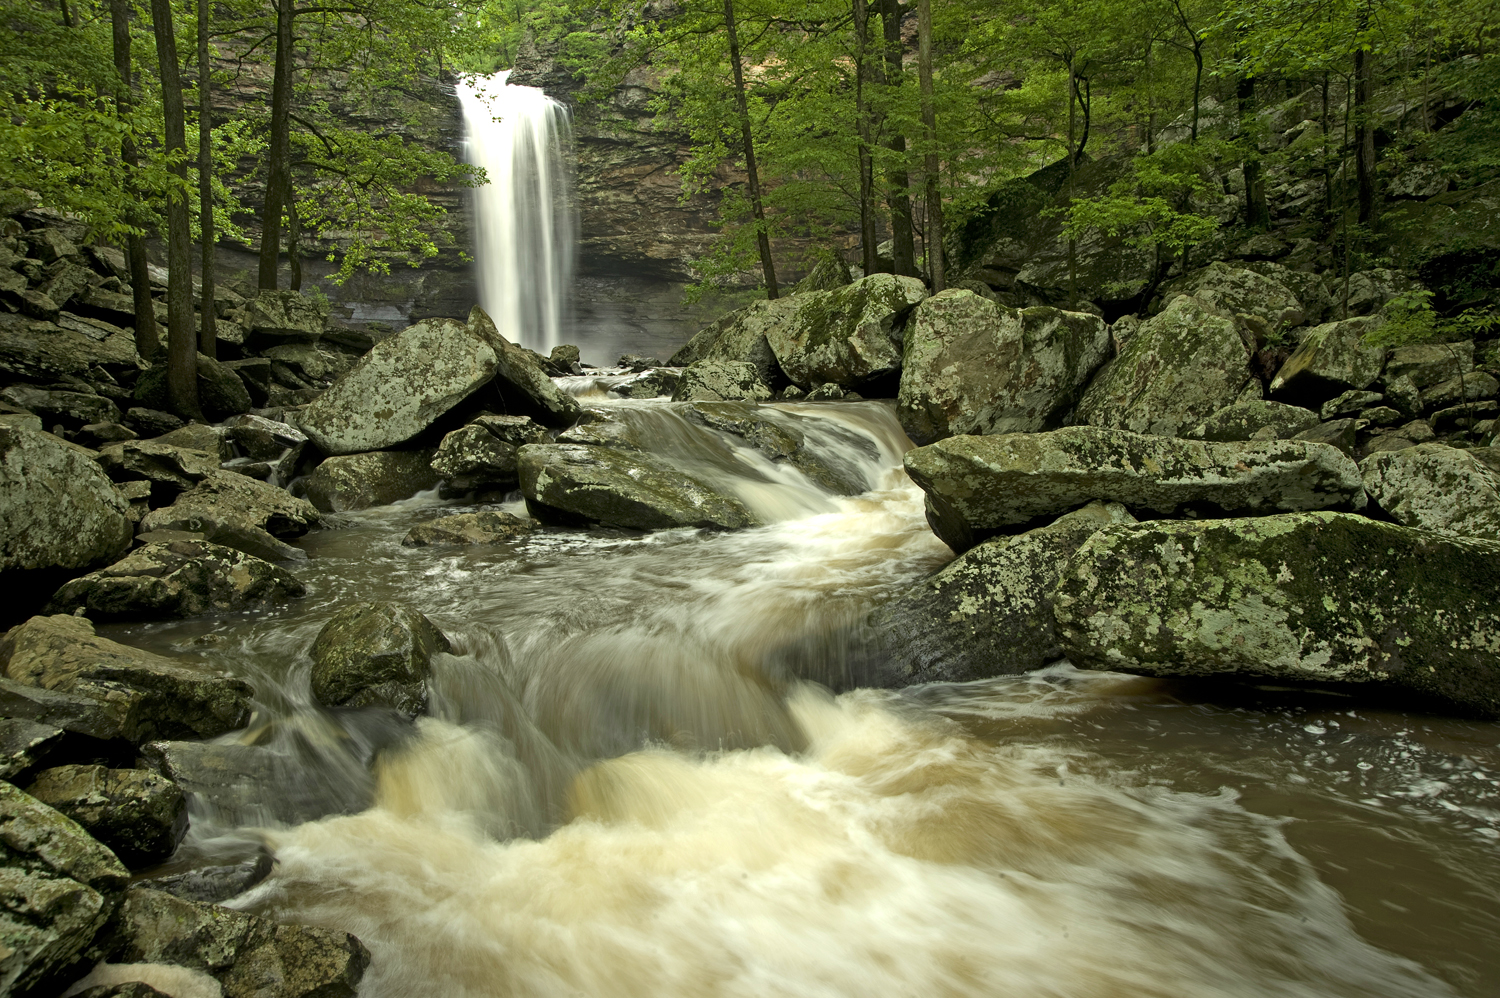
1320, 597
139, 815
1333, 359
989, 611
974, 366
977, 485
178, 578
58, 509
484, 527
836, 463
577, 483
1440, 488
1181, 367
848, 336
359, 481
375, 654
720, 381
1255, 419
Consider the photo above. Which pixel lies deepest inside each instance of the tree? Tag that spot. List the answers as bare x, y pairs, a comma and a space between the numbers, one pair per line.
768, 267
929, 124
207, 334
135, 247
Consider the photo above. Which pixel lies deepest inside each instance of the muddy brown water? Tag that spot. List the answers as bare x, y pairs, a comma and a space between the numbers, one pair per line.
649, 770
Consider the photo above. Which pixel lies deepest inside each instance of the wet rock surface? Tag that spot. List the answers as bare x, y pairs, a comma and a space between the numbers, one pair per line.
484, 527
375, 654
139, 815
359, 481
720, 381
474, 457
848, 336
832, 462
238, 512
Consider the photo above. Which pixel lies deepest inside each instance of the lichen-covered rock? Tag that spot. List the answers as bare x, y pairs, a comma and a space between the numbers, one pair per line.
1311, 290
152, 696
1349, 404
720, 381
574, 484
178, 578
1333, 359
359, 481
1471, 387
285, 315
989, 611
1324, 597
58, 509
1435, 487
651, 384
1427, 364
1254, 419
1340, 433
831, 455
172, 467
139, 815
523, 384
975, 366
220, 390
741, 336
27, 745
980, 485
472, 456
238, 512
72, 409
60, 888
1181, 367
518, 431
375, 654
42, 351
1370, 290
402, 386
96, 719
847, 336
214, 883
484, 527
1235, 290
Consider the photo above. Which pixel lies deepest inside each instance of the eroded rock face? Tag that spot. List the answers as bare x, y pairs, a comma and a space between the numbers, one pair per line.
977, 485
989, 611
1255, 419
139, 815
720, 381
43, 350
484, 527
375, 654
178, 468
847, 336
1322, 596
359, 481
974, 366
1333, 359
1436, 487
179, 578
58, 509
577, 483
1179, 368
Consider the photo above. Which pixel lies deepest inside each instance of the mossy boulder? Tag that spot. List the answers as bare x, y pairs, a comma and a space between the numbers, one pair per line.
359, 481
376, 654
1235, 290
490, 526
849, 336
58, 509
741, 336
139, 815
1255, 419
472, 456
1321, 597
1436, 487
1331, 360
720, 381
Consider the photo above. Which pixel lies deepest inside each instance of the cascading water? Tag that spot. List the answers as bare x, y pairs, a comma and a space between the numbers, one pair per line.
526, 237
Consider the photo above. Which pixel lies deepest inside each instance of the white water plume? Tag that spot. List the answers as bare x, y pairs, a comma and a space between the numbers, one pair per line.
525, 234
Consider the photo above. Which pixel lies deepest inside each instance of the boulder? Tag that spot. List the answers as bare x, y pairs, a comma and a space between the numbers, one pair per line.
1472, 387
1349, 404
1427, 364
1340, 433
975, 366
58, 509
1321, 596
523, 385
250, 957
849, 336
60, 888
741, 336
41, 351
649, 385
252, 785
238, 512
1435, 487
720, 381
1333, 359
1370, 290
979, 485
175, 469
472, 457
108, 715
1254, 419
402, 386
27, 745
518, 431
221, 393
71, 409
574, 484
1181, 367
285, 315
1234, 290
151, 422
140, 815
359, 481
178, 578
989, 611
1311, 290
484, 527
198, 436
833, 456
213, 884
375, 655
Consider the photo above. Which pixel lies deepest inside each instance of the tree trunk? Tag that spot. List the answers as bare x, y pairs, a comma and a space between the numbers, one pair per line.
293, 238
1364, 134
903, 250
182, 354
1072, 187
146, 343
207, 334
862, 124
935, 262
762, 239
1257, 213
278, 157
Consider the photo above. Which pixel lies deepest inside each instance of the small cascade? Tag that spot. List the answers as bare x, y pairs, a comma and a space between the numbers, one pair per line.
525, 232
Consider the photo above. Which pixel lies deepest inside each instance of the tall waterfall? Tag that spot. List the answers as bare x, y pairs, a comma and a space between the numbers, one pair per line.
523, 218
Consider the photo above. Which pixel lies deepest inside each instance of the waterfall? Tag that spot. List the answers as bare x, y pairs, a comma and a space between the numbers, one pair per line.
523, 218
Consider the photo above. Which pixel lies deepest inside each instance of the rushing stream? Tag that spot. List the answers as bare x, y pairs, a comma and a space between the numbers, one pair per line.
649, 770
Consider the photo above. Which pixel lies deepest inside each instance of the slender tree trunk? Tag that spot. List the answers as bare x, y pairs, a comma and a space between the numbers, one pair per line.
146, 343
1364, 133
278, 158
935, 262
762, 239
207, 333
182, 354
1072, 186
293, 238
903, 250
1257, 212
862, 120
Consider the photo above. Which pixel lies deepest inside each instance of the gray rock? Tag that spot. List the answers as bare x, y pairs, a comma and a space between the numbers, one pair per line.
575, 484
989, 611
41, 351
522, 382
1465, 416
253, 785
72, 409
1235, 290
741, 336
1311, 290
285, 315
58, 509
828, 273
181, 578
720, 381
1181, 367
261, 438
307, 362
1254, 419
26, 745
151, 422
1348, 404
1323, 597
1340, 433
1471, 387
359, 481
375, 655
1439, 488
849, 335
648, 385
518, 431
108, 715
484, 527
832, 457
1427, 364
220, 390
139, 815
96, 435
60, 888
974, 366
175, 468
1381, 415
213, 884
226, 497
987, 484
198, 436
1333, 359
828, 392
472, 457
1370, 290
